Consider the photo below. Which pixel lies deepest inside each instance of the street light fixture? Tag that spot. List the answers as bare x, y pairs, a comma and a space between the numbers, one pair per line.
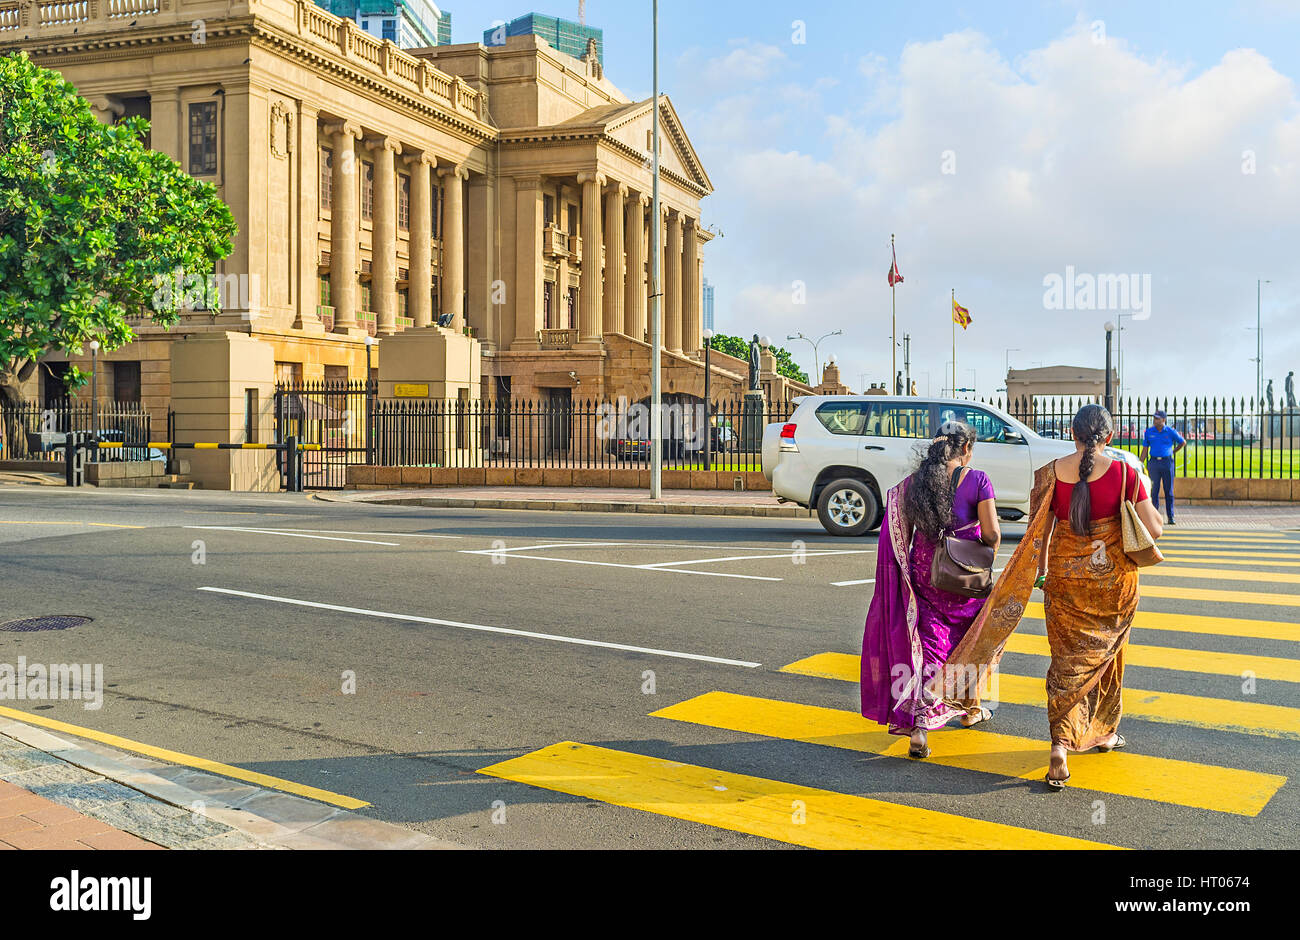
815, 343
370, 401
1259, 343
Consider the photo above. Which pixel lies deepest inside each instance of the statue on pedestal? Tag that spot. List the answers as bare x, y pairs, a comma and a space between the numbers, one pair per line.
898, 384
1268, 393
1290, 391
754, 369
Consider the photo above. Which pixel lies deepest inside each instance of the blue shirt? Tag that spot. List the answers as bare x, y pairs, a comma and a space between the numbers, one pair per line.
1162, 442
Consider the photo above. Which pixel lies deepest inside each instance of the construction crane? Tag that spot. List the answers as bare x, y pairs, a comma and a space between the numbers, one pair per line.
582, 12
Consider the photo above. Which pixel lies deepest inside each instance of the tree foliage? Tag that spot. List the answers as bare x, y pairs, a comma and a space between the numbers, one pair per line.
92, 222
739, 347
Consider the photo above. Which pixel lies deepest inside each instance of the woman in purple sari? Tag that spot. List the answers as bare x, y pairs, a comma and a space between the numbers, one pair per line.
911, 625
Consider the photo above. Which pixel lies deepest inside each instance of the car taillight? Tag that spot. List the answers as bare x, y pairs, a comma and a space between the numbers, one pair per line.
787, 432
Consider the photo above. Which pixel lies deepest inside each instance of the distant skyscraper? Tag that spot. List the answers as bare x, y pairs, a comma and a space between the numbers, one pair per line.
565, 35
708, 305
412, 24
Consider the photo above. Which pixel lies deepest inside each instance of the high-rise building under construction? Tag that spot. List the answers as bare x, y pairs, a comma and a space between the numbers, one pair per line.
563, 35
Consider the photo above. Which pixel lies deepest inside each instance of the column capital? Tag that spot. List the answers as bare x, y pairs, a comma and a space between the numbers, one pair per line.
643, 199
690, 222
617, 187
460, 171
418, 157
383, 142
592, 177
344, 128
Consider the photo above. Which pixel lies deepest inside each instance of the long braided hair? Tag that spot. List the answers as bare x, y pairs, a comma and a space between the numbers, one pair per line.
1091, 426
927, 499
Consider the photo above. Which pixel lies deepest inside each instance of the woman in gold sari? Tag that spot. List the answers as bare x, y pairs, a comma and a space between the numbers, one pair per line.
1073, 549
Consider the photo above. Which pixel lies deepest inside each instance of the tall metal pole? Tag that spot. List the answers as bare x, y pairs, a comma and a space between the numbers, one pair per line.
1110, 399
708, 404
656, 294
1259, 347
952, 314
893, 323
907, 363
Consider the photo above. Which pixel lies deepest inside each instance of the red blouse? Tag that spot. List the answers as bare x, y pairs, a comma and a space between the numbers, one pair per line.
1105, 492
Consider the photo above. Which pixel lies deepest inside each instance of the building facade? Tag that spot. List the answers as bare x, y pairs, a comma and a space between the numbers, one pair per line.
497, 193
573, 39
708, 305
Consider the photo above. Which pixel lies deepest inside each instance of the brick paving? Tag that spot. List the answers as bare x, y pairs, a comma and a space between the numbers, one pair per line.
28, 821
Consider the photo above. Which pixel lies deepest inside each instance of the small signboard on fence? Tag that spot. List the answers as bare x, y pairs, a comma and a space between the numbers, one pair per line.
411, 390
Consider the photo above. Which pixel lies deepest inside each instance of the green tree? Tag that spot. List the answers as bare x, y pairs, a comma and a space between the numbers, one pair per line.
738, 347
94, 227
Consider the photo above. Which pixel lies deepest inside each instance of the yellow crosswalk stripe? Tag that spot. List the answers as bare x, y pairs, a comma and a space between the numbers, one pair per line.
768, 808
1221, 597
1206, 535
1199, 623
1217, 714
1180, 660
1123, 773
1221, 574
1267, 559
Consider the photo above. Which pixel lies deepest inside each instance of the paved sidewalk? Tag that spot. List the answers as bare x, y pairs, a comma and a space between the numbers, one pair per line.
28, 821
1262, 516
88, 792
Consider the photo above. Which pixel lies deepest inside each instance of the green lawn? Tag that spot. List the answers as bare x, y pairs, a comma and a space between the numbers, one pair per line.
1222, 460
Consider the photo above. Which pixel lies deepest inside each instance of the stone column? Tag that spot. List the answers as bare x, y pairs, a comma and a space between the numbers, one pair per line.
453, 244
344, 208
165, 129
421, 247
527, 293
613, 300
589, 294
634, 302
692, 329
673, 284
383, 241
307, 213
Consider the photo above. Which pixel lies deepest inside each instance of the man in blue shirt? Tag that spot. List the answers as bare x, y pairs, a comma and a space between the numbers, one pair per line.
1161, 442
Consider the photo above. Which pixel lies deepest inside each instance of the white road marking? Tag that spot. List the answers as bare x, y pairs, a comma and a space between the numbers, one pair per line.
395, 535
848, 583
615, 564
292, 535
486, 629
782, 554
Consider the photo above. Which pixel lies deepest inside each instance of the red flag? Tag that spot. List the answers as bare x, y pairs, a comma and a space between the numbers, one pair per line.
894, 276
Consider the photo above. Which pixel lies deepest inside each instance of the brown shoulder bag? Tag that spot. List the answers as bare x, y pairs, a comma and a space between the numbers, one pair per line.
962, 566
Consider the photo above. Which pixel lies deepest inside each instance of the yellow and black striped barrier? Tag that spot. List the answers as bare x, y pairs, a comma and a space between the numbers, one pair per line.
76, 443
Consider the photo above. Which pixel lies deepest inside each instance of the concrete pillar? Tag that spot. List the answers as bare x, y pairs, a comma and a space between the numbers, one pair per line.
528, 262
165, 123
634, 303
692, 329
383, 241
673, 284
344, 208
589, 288
613, 299
453, 244
480, 258
307, 219
421, 243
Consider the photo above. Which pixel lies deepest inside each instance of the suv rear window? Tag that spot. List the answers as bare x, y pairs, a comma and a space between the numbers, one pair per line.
843, 417
898, 420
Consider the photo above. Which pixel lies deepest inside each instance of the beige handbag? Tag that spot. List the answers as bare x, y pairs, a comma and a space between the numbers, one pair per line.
1139, 546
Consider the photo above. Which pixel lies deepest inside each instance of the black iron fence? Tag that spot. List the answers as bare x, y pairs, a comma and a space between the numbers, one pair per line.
32, 431
1226, 437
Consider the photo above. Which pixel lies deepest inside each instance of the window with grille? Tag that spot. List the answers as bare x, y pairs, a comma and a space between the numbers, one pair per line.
390, 30
403, 202
402, 301
365, 297
548, 209
572, 311
573, 220
126, 381
548, 305
203, 138
434, 295
325, 290
367, 190
326, 178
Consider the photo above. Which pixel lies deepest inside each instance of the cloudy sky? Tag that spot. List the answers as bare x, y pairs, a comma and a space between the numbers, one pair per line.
1002, 143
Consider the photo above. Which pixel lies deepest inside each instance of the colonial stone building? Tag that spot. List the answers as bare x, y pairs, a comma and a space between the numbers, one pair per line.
497, 195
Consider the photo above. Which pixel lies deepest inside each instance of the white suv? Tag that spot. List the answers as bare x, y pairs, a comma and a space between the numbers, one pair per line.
842, 453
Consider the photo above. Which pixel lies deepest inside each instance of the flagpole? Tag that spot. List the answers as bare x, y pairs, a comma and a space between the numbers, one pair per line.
953, 314
893, 321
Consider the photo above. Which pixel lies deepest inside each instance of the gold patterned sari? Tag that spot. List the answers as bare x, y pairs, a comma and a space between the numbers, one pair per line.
1090, 599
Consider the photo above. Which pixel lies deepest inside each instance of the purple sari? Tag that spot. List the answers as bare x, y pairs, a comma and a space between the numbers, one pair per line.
911, 626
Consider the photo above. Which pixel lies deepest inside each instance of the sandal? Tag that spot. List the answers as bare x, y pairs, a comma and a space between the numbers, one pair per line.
984, 715
1119, 743
1056, 783
922, 754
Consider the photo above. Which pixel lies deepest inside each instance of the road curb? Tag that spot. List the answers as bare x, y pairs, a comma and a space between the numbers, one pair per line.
214, 809
566, 505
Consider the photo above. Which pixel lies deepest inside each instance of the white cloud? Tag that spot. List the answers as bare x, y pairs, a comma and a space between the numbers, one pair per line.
1077, 153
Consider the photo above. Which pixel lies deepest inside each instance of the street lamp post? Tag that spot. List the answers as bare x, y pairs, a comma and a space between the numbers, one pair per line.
94, 397
1110, 397
656, 293
708, 404
817, 363
1259, 343
974, 383
370, 403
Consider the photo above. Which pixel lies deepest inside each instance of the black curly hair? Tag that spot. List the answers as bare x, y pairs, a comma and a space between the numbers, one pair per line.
927, 500
1091, 425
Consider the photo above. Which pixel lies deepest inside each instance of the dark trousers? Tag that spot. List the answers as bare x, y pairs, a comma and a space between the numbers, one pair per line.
1162, 472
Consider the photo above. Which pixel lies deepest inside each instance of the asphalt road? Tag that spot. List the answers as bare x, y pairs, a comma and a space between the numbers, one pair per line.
482, 639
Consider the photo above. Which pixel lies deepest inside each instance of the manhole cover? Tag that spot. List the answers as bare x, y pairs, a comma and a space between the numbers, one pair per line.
32, 624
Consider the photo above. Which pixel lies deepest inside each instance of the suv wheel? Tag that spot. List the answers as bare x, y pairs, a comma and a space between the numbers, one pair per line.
847, 507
